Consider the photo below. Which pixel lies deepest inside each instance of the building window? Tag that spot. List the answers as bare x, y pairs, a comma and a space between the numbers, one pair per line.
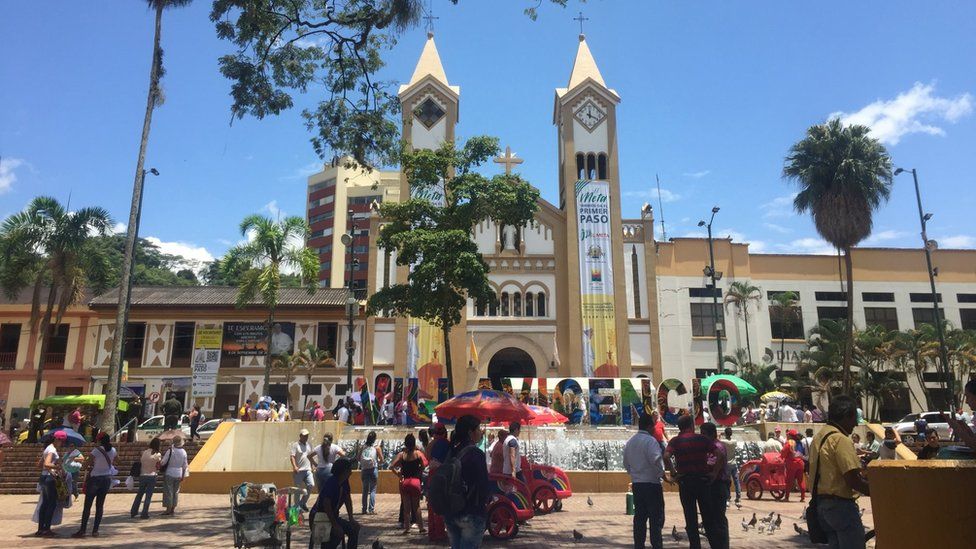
601, 166
926, 316
786, 323
830, 296
516, 304
529, 304
707, 291
540, 309
323, 185
9, 344
924, 298
479, 308
832, 313
581, 165
703, 319
320, 217
636, 281
57, 346
493, 308
968, 317
591, 166
504, 303
327, 338
887, 297
966, 298
183, 333
135, 343
886, 317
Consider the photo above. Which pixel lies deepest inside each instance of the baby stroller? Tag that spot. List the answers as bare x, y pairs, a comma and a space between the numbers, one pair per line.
253, 511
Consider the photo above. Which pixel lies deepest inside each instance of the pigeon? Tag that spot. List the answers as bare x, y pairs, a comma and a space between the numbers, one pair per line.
778, 521
675, 535
753, 521
377, 544
771, 530
589, 501
577, 536
770, 517
738, 505
762, 528
798, 530
745, 525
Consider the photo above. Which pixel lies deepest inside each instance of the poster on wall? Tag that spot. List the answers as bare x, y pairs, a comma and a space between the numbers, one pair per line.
596, 279
206, 360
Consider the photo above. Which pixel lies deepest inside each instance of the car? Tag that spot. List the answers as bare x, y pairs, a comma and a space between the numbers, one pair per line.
905, 427
154, 426
209, 426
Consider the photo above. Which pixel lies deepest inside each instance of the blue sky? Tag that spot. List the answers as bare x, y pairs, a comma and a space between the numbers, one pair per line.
713, 95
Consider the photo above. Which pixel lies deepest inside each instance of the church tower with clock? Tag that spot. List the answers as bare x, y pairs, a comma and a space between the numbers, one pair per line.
589, 194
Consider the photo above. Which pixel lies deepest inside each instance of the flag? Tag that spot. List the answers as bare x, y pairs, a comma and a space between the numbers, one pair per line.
555, 350
473, 351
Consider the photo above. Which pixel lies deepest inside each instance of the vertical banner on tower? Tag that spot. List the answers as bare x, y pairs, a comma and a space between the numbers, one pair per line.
206, 360
596, 279
425, 344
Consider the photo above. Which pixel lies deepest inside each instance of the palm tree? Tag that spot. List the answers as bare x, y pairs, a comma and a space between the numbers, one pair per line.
759, 376
908, 352
739, 294
844, 174
48, 247
784, 303
271, 247
154, 98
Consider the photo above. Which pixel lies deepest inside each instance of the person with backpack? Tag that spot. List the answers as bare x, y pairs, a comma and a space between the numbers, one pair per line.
460, 488
409, 466
369, 459
97, 483
145, 470
438, 453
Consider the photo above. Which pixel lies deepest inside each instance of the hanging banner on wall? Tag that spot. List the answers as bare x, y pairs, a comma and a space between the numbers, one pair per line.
596, 279
206, 360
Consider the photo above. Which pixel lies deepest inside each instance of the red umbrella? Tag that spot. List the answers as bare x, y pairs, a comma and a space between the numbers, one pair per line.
485, 404
543, 416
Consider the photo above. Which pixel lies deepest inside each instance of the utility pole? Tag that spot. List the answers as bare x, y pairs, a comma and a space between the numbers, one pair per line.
352, 304
710, 271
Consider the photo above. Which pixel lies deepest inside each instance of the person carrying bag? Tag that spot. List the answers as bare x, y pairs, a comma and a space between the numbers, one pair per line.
815, 529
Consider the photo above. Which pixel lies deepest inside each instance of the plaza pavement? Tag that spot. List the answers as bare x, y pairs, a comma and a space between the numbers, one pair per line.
203, 520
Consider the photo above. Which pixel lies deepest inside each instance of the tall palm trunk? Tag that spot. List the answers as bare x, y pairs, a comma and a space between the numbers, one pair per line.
447, 360
125, 284
782, 353
745, 318
43, 329
849, 341
267, 356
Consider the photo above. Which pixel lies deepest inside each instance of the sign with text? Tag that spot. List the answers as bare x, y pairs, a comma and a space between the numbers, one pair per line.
596, 279
206, 361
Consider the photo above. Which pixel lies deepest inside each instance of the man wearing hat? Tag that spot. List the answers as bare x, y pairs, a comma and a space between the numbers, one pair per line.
301, 467
794, 465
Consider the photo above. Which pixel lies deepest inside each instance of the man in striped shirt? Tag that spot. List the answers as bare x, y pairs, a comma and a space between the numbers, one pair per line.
690, 452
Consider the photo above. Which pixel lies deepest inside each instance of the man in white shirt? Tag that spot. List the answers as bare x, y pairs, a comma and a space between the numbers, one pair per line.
772, 444
512, 452
281, 343
644, 463
342, 414
786, 413
301, 467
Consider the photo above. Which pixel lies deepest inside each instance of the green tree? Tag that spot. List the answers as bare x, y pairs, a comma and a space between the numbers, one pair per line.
271, 246
908, 355
844, 174
739, 295
447, 269
760, 376
151, 266
47, 247
784, 305
284, 46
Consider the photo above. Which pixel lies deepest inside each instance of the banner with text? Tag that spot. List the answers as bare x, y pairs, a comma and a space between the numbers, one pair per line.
425, 342
596, 279
206, 360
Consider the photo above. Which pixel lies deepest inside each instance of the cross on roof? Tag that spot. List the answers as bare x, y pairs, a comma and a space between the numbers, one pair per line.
580, 18
429, 18
508, 160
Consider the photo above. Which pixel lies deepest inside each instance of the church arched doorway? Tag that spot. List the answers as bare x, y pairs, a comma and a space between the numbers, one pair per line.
509, 362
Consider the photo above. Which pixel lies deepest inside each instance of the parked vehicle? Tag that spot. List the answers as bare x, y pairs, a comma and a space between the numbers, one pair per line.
548, 485
906, 427
207, 428
510, 504
154, 426
766, 474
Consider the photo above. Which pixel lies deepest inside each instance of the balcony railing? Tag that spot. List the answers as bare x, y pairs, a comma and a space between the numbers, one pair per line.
8, 361
54, 361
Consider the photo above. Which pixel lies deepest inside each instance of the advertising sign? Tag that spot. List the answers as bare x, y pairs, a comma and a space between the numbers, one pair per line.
596, 279
206, 360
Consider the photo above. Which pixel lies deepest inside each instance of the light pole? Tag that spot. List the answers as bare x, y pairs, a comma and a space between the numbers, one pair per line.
928, 246
352, 305
710, 272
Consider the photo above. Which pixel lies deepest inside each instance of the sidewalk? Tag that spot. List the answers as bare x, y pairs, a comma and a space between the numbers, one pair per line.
203, 520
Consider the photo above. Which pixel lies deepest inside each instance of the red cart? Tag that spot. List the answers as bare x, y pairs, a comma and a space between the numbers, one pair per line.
766, 474
548, 485
509, 505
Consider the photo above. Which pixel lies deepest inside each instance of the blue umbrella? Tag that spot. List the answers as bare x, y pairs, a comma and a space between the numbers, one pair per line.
74, 437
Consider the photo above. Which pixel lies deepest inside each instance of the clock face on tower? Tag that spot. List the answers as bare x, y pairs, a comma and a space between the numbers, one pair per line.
590, 115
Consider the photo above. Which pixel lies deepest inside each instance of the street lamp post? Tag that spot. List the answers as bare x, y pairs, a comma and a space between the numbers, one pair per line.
928, 246
352, 305
710, 271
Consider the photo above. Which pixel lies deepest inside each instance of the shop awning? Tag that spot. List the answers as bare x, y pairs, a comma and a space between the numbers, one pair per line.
78, 400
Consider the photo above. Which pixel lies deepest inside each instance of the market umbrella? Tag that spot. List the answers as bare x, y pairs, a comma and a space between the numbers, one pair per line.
484, 404
545, 416
74, 437
775, 396
745, 388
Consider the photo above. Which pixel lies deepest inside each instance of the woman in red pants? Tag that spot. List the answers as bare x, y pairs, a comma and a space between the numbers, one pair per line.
409, 466
794, 465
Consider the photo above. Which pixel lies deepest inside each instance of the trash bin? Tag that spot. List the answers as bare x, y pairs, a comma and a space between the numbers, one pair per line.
630, 503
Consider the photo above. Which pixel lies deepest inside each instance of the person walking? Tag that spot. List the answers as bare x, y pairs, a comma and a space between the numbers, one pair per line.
97, 483
718, 459
172, 409
334, 495
301, 467
47, 483
733, 465
409, 466
318, 414
793, 463
511, 451
644, 462
369, 459
437, 454
174, 467
245, 412
466, 527
148, 467
495, 451
323, 456
690, 452
195, 417
836, 472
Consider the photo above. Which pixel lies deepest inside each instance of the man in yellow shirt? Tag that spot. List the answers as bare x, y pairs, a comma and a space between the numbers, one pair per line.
833, 457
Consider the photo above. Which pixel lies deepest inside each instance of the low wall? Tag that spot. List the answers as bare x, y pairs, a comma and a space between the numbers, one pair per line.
941, 491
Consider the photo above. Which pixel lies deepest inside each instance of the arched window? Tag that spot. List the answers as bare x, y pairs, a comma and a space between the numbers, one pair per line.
581, 165
492, 309
516, 304
529, 304
601, 166
504, 303
540, 310
591, 166
479, 308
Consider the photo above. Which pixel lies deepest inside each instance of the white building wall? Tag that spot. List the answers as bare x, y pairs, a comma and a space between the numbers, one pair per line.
422, 138
538, 239
586, 141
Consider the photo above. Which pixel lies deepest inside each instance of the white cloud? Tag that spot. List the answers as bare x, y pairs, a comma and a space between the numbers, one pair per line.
314, 166
778, 228
118, 228
651, 195
885, 236
914, 111
273, 209
957, 241
815, 246
697, 175
7, 175
781, 206
197, 255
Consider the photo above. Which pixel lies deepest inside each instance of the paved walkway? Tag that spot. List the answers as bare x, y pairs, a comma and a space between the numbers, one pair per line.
204, 521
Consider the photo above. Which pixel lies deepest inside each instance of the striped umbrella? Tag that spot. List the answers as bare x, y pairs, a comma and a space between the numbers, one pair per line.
485, 404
